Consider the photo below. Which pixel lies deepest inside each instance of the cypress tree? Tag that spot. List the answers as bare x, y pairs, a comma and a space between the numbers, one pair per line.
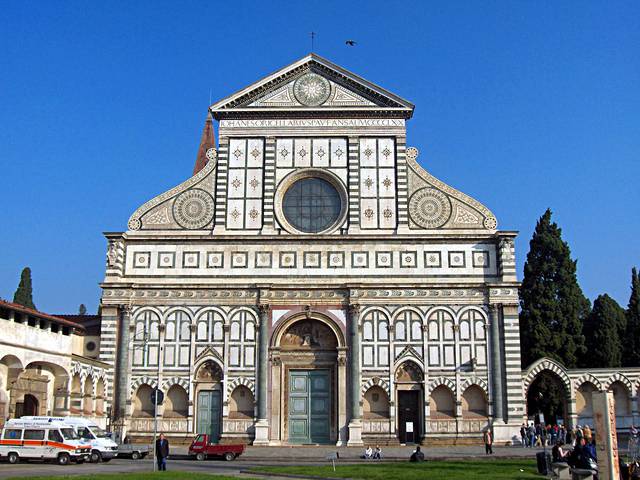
24, 293
631, 357
603, 329
553, 307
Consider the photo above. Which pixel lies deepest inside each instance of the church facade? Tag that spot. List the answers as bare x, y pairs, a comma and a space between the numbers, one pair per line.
312, 283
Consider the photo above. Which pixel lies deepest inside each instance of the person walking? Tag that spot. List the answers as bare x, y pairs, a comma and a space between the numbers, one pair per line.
523, 434
488, 442
162, 452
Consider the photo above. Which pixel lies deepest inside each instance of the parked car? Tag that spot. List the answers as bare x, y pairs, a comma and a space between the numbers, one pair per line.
42, 440
133, 451
202, 448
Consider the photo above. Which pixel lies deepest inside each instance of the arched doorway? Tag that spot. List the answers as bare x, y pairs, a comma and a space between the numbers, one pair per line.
28, 406
208, 390
547, 399
409, 378
308, 357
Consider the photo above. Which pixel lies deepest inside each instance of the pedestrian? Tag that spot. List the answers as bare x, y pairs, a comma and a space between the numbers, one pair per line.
587, 434
532, 435
488, 442
523, 434
162, 452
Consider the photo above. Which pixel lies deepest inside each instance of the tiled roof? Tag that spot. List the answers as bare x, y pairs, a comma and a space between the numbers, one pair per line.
38, 314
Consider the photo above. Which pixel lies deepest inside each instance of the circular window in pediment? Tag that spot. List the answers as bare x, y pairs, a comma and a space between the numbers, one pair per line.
311, 201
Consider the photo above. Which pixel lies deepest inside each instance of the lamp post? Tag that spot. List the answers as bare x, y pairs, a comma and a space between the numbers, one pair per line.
157, 395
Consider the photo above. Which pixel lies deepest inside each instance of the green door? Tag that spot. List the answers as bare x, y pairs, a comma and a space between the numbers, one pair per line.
309, 406
209, 414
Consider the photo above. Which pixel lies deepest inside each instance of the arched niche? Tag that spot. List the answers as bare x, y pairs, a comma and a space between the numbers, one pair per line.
142, 403
474, 403
376, 404
241, 403
176, 403
442, 403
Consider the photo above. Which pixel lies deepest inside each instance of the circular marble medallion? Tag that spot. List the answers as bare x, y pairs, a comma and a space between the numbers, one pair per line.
429, 208
193, 209
311, 89
490, 223
211, 153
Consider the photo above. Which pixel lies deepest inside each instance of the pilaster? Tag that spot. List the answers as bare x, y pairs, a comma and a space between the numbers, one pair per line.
262, 424
355, 425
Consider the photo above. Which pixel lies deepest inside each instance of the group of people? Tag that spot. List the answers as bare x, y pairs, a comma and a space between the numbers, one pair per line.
539, 435
371, 454
575, 446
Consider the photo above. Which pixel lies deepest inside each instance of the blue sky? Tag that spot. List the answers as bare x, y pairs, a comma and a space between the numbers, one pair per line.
523, 105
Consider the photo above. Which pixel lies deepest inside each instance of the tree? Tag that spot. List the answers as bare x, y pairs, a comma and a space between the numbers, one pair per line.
82, 310
553, 307
631, 356
24, 293
603, 331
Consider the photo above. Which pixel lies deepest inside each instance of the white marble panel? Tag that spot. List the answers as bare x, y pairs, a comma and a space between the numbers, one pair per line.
383, 356
339, 152
234, 354
321, 152
481, 355
434, 355
254, 183
369, 213
387, 183
339, 314
387, 213
284, 152
237, 153
235, 213
255, 152
302, 153
465, 354
277, 315
249, 356
253, 214
449, 355
368, 152
236, 184
367, 357
368, 182
386, 152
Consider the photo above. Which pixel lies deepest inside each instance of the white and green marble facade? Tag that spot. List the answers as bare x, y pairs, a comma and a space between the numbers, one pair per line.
413, 274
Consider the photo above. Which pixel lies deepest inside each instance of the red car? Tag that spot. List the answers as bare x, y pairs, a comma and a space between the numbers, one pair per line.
202, 448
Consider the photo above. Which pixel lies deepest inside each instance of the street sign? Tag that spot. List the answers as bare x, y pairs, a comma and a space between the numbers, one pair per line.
157, 396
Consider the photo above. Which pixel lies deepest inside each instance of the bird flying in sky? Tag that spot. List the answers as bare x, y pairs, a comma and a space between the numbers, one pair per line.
351, 43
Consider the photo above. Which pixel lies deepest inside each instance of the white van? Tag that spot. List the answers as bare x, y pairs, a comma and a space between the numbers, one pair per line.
43, 440
103, 448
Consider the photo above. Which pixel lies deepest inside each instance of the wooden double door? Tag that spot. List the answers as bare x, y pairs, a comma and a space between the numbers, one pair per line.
309, 406
209, 413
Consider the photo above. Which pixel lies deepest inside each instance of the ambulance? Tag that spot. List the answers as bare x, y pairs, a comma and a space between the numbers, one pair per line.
103, 448
42, 439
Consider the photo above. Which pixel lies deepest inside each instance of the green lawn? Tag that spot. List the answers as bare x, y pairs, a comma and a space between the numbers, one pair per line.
169, 475
432, 470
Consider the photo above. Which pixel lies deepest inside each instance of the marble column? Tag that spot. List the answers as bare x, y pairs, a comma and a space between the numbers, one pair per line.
355, 425
496, 365
123, 363
262, 423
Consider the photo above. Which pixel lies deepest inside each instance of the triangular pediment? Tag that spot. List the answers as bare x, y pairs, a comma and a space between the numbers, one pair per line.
312, 83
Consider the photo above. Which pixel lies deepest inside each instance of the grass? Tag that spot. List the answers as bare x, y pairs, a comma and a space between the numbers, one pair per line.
169, 475
432, 470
